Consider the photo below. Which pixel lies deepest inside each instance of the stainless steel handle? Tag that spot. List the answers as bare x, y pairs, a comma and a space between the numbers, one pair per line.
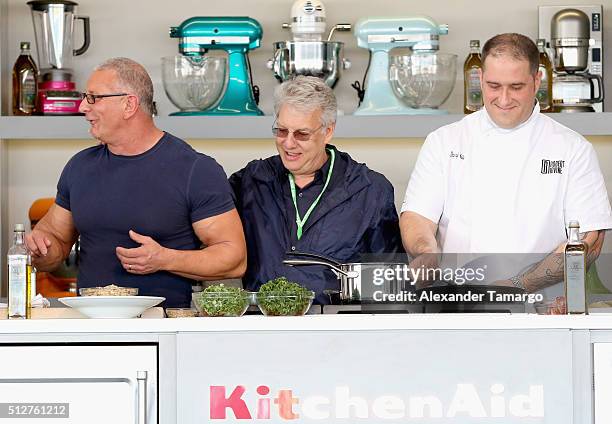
141, 394
297, 262
338, 27
313, 256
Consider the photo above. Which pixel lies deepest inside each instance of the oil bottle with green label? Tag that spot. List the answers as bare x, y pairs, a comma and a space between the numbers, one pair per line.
472, 98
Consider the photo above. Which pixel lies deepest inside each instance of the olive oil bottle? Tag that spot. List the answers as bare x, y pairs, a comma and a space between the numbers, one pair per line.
544, 93
472, 93
575, 271
19, 276
25, 78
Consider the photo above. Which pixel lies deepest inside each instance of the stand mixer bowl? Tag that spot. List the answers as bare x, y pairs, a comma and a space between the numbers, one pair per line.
422, 80
195, 83
322, 59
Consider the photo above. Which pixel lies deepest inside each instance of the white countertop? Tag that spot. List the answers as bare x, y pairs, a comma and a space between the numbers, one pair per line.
360, 322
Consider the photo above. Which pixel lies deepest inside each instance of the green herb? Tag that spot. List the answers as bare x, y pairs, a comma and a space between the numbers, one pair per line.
220, 300
283, 297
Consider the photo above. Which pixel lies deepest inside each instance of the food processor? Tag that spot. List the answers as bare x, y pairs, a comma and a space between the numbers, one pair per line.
53, 29
308, 54
196, 82
577, 56
406, 75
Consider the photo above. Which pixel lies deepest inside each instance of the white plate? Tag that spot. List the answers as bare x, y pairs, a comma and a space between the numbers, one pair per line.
111, 306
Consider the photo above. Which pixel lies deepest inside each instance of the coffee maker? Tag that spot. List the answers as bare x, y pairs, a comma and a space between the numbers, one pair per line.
53, 29
574, 36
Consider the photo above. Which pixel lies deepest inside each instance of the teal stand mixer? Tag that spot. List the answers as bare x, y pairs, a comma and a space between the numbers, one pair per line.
406, 74
209, 91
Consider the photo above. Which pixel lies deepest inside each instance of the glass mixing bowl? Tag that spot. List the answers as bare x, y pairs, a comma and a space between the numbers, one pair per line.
194, 84
422, 80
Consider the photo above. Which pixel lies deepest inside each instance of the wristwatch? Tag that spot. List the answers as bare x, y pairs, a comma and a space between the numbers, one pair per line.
516, 282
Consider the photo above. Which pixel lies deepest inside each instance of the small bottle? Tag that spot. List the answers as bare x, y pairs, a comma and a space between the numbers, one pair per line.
544, 93
25, 77
19, 276
472, 97
575, 271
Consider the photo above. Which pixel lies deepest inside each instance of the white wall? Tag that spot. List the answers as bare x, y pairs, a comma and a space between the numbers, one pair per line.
139, 29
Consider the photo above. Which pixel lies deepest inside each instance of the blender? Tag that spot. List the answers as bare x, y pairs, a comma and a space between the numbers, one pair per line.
201, 70
307, 53
53, 29
406, 75
575, 38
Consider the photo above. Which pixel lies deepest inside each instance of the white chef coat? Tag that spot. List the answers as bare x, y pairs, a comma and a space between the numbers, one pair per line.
494, 190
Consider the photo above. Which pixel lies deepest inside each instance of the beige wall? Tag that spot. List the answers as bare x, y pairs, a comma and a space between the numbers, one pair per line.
139, 29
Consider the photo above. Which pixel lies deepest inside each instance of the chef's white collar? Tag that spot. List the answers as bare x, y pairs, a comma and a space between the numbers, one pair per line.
489, 125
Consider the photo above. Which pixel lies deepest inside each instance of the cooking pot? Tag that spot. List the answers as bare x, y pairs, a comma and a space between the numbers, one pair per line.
480, 299
360, 282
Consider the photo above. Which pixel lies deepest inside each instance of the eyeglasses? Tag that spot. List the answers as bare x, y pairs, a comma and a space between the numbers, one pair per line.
91, 98
299, 135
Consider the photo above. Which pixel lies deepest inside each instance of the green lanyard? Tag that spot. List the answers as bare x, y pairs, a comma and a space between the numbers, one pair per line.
302, 221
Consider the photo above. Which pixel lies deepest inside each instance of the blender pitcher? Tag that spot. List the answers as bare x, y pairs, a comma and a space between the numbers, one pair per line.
53, 28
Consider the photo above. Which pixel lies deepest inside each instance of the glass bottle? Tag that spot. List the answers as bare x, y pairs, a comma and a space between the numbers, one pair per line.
25, 77
575, 271
544, 93
472, 98
19, 276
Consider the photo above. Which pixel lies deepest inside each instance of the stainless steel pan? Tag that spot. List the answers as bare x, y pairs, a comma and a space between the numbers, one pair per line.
358, 279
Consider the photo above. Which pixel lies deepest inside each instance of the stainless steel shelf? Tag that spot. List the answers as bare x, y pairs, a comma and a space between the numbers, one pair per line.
253, 127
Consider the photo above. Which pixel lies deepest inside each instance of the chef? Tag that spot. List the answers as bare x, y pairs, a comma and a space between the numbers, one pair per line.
311, 197
506, 179
142, 201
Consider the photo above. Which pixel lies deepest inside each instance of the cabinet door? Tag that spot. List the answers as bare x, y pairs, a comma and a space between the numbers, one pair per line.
602, 374
80, 383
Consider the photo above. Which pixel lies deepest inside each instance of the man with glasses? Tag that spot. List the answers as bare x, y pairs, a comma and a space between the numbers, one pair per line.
143, 201
311, 197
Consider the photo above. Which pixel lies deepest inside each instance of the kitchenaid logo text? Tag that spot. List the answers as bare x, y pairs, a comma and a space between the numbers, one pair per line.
466, 402
552, 166
407, 273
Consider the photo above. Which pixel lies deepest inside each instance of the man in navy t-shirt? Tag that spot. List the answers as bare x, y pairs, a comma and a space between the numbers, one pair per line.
143, 201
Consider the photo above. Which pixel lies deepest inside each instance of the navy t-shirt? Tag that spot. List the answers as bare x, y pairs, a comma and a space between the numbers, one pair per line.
159, 193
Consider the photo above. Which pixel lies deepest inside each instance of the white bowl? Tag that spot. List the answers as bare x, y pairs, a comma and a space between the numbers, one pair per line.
111, 306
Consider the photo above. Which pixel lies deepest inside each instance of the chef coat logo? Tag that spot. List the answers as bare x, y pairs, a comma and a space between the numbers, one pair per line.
456, 155
552, 166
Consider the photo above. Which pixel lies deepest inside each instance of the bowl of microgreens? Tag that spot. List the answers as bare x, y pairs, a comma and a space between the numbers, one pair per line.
220, 300
280, 297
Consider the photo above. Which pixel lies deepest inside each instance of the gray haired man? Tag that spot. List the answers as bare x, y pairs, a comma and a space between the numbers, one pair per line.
311, 197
